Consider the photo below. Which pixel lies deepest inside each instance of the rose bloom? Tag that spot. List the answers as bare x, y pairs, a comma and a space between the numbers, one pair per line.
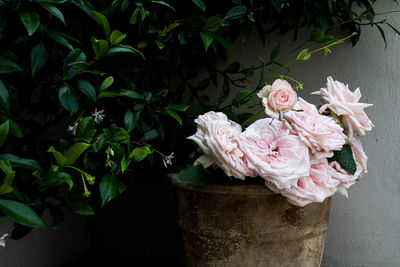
344, 177
318, 132
274, 154
217, 137
341, 101
313, 188
279, 96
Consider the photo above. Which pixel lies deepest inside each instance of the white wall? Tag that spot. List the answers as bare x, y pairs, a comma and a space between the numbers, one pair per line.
365, 228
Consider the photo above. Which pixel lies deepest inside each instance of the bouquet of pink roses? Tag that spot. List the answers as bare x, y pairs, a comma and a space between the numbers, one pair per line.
301, 152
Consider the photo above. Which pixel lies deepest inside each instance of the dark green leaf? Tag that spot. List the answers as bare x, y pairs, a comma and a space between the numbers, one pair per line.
38, 58
130, 120
275, 51
68, 99
236, 12
130, 93
164, 3
134, 17
21, 213
80, 207
193, 175
345, 158
54, 11
102, 21
60, 158
108, 186
75, 151
207, 38
200, 4
59, 39
140, 153
85, 126
174, 115
87, 89
277, 5
17, 161
100, 47
178, 107
73, 63
150, 135
224, 43
5, 166
242, 97
31, 20
7, 66
317, 35
4, 96
4, 129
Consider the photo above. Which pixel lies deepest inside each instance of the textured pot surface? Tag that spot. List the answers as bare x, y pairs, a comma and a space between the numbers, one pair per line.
248, 225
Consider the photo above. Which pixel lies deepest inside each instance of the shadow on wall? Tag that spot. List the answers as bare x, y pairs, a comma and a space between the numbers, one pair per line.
137, 228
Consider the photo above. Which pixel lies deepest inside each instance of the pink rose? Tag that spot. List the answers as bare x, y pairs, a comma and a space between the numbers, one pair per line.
313, 188
344, 177
318, 132
217, 137
341, 101
277, 97
274, 154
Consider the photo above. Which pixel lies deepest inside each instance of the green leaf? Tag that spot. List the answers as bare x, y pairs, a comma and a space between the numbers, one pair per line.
4, 129
85, 127
73, 63
7, 66
193, 175
17, 161
54, 11
134, 17
164, 3
102, 21
303, 55
207, 38
236, 12
131, 93
124, 164
87, 89
150, 135
59, 39
60, 158
100, 47
275, 51
345, 158
160, 45
174, 115
107, 82
242, 97
108, 186
317, 35
75, 151
224, 43
5, 166
4, 96
80, 207
21, 213
133, 50
277, 5
116, 37
130, 120
200, 4
68, 99
178, 107
38, 58
140, 153
6, 186
31, 20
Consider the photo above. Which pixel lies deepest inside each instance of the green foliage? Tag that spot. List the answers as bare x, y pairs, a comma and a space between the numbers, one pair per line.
345, 158
193, 175
106, 86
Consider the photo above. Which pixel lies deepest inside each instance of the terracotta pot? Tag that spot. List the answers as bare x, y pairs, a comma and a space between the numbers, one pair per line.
248, 225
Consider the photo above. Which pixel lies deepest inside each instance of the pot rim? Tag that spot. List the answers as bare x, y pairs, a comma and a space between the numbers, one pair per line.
245, 189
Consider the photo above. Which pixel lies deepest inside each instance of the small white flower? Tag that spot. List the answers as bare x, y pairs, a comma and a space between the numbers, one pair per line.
3, 240
112, 152
73, 128
169, 158
98, 115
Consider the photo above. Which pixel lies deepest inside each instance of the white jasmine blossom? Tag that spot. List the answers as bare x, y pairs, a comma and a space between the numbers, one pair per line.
73, 128
98, 116
3, 240
168, 159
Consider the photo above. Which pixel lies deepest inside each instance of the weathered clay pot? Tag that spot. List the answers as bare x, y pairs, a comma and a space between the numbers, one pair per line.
248, 225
